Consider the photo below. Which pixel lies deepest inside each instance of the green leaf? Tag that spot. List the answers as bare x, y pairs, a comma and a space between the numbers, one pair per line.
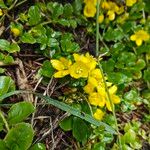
47, 69
68, 10
147, 5
55, 8
4, 45
140, 64
6, 84
128, 26
143, 49
130, 136
80, 130
118, 78
136, 145
66, 108
73, 23
64, 22
14, 47
38, 146
77, 6
99, 146
8, 59
67, 44
27, 38
126, 147
1, 124
66, 124
52, 42
113, 35
85, 107
108, 65
2, 70
19, 112
131, 95
147, 75
3, 145
34, 15
19, 137
2, 5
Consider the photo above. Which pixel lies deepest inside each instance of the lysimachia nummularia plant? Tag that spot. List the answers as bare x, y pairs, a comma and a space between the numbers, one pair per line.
85, 66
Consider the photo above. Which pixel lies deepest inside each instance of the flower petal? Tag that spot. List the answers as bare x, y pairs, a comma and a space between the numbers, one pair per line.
138, 42
57, 64
98, 114
113, 89
115, 99
133, 37
61, 74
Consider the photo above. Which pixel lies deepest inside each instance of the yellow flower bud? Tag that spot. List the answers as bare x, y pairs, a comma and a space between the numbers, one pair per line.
111, 15
1, 12
15, 31
101, 18
98, 114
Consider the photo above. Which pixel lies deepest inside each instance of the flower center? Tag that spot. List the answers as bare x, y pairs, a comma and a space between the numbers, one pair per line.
79, 71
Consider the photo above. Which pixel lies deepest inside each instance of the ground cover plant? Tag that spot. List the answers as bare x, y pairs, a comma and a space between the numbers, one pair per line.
75, 74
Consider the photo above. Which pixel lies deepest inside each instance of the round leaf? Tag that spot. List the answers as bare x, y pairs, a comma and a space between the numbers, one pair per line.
66, 124
38, 146
80, 130
20, 111
20, 137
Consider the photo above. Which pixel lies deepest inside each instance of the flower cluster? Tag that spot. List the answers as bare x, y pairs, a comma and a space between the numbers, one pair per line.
112, 9
109, 9
139, 37
90, 8
84, 66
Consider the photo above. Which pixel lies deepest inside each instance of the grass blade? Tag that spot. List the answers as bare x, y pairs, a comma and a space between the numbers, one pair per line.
66, 108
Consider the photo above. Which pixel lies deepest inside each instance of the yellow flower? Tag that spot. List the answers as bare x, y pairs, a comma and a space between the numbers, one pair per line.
111, 15
105, 5
89, 10
15, 31
91, 61
96, 99
101, 18
87, 60
113, 89
79, 70
1, 12
89, 88
130, 3
115, 99
112, 9
108, 105
62, 65
95, 77
92, 2
139, 37
98, 114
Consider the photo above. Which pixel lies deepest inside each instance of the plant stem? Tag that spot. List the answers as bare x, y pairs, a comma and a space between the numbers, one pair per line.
4, 120
98, 35
112, 106
20, 3
13, 5
97, 28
